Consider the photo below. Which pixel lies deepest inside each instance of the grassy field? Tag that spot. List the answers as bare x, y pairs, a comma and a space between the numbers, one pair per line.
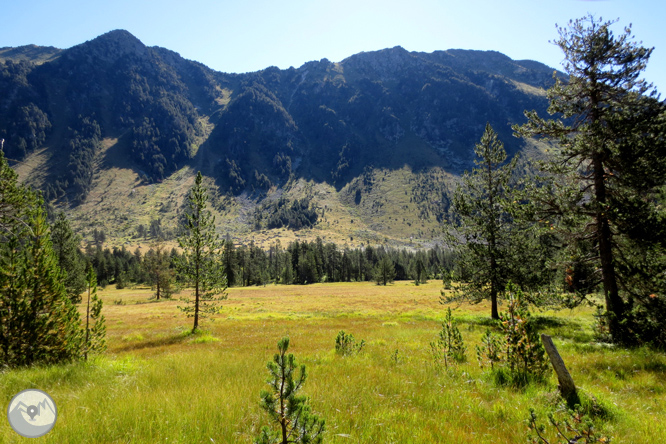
157, 383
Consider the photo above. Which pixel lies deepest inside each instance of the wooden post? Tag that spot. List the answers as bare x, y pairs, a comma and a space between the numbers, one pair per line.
567, 386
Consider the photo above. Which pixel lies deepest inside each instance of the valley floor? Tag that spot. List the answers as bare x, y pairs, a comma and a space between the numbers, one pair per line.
157, 383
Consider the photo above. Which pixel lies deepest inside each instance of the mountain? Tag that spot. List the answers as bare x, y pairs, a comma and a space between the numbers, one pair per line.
266, 140
30, 53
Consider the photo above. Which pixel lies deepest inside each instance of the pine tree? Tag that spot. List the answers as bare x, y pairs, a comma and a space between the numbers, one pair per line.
419, 271
384, 271
285, 408
229, 261
95, 336
486, 232
201, 262
157, 263
70, 260
600, 186
524, 353
449, 346
38, 322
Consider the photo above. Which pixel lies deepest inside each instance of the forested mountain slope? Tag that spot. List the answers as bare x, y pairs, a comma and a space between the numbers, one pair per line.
379, 132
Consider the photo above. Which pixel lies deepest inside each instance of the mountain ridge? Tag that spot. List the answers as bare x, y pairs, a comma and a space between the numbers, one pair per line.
114, 104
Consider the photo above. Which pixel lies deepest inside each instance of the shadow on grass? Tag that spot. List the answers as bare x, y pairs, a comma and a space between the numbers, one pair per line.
154, 301
637, 363
561, 328
482, 321
161, 341
541, 322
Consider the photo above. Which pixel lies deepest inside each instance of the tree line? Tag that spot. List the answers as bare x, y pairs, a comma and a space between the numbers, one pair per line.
300, 262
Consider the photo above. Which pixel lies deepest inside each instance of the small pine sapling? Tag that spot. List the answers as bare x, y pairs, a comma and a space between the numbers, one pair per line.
449, 346
346, 345
574, 427
490, 352
296, 422
95, 336
601, 326
525, 354
395, 358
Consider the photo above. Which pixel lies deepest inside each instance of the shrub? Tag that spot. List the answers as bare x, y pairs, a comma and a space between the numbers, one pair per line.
564, 426
490, 351
518, 350
525, 356
346, 345
449, 346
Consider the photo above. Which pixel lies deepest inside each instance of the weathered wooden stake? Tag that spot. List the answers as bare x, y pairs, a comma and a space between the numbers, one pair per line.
567, 386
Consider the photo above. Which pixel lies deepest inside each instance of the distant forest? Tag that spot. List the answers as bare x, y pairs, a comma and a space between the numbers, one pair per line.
298, 263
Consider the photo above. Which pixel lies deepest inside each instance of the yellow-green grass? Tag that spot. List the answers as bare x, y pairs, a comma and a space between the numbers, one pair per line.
158, 383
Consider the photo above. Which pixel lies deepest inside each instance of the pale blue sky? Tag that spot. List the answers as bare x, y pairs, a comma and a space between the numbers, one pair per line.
242, 36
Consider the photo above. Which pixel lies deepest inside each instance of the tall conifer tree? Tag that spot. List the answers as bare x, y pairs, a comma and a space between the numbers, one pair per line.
485, 234
611, 130
38, 322
69, 257
201, 262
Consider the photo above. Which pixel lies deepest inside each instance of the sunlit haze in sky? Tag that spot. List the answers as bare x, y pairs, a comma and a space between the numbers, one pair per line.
243, 36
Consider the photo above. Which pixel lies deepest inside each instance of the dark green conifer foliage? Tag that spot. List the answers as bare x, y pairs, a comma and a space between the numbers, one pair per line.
384, 271
524, 354
485, 237
229, 261
285, 408
602, 184
346, 345
38, 322
419, 271
69, 257
201, 262
156, 263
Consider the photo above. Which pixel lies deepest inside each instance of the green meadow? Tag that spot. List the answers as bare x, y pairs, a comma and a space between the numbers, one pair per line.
159, 384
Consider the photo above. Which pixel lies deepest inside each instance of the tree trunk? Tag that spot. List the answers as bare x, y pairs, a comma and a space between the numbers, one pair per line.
494, 313
87, 346
196, 300
614, 303
492, 245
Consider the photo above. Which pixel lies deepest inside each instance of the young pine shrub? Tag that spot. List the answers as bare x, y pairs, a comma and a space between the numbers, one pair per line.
564, 427
490, 351
346, 345
525, 356
601, 326
296, 424
449, 347
94, 336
